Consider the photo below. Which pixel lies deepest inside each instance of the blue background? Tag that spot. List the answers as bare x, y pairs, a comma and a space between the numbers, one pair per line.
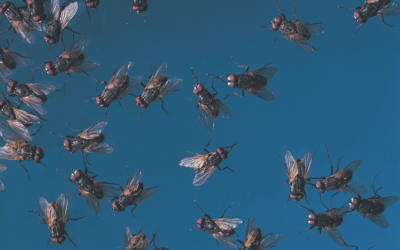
345, 95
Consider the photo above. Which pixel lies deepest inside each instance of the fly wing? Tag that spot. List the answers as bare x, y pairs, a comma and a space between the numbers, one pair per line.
202, 176
380, 220
93, 203
2, 167
224, 111
208, 119
250, 227
85, 66
43, 205
267, 73
388, 201
67, 14
335, 234
122, 71
18, 59
269, 241
2, 187
63, 202
147, 193
25, 117
35, 104
227, 241
314, 29
342, 211
99, 148
20, 129
24, 30
75, 49
196, 161
9, 153
263, 93
134, 82
53, 9
136, 177
4, 73
95, 129
355, 188
44, 88
303, 44
352, 167
127, 237
307, 159
227, 224
170, 86
8, 135
107, 191
160, 71
392, 10
146, 244
290, 166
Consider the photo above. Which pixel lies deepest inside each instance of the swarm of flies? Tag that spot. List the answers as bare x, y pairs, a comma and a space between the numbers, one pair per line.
221, 229
132, 194
373, 207
36, 9
140, 6
88, 141
17, 149
10, 60
253, 82
55, 216
253, 239
205, 164
91, 4
210, 106
157, 87
71, 60
2, 168
297, 172
91, 190
119, 86
374, 8
21, 22
139, 241
297, 32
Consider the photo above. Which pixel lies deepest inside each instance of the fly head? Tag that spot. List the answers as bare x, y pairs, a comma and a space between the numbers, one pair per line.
198, 88
76, 175
39, 154
67, 145
222, 153
91, 3
312, 219
200, 223
100, 102
141, 103
320, 186
49, 69
4, 7
354, 203
11, 86
58, 240
359, 17
116, 207
232, 80
276, 23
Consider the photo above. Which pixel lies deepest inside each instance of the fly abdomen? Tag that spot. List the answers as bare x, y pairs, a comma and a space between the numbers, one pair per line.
371, 207
27, 152
213, 159
150, 95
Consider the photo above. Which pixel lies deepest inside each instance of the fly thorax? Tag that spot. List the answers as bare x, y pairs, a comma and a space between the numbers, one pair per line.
56, 229
8, 113
331, 183
244, 81
54, 29
27, 152
323, 220
211, 227
213, 159
12, 13
22, 90
150, 95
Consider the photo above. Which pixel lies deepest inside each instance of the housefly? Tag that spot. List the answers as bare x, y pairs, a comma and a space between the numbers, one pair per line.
157, 87
138, 241
253, 82
140, 6
119, 86
91, 4
297, 172
374, 8
205, 164
340, 180
59, 17
133, 193
32, 94
10, 60
2, 168
329, 221
210, 106
91, 190
20, 22
255, 241
373, 207
221, 229
88, 141
55, 216
36, 9
18, 150
297, 32
71, 60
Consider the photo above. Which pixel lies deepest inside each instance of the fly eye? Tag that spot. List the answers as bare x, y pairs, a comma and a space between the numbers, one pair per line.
73, 178
356, 15
292, 196
219, 150
351, 206
200, 87
62, 238
54, 240
98, 99
312, 223
135, 8
195, 91
37, 159
143, 106
274, 27
78, 173
300, 196
89, 5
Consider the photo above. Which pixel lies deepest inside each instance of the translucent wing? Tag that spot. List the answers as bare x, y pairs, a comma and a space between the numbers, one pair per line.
352, 167
269, 241
45, 88
224, 111
147, 193
303, 44
1, 186
85, 66
335, 234
95, 129
24, 30
355, 187
20, 129
99, 148
63, 202
289, 165
227, 224
380, 220
146, 244
208, 120
122, 71
134, 82
107, 191
8, 135
127, 237
43, 205
9, 153
92, 202
18, 59
267, 73
392, 10
67, 14
263, 93
227, 241
388, 201
250, 227
25, 117
35, 104
160, 71
342, 211
2, 167
314, 29
53, 8
196, 161
307, 159
4, 73
75, 49
170, 86
202, 176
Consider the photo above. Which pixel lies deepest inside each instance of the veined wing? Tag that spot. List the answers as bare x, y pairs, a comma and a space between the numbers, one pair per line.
314, 29
203, 175
53, 9
380, 220
25, 116
160, 71
262, 93
170, 86
127, 237
392, 10
227, 224
18, 59
290, 166
306, 161
224, 111
20, 129
45, 88
147, 193
267, 73
10, 154
196, 161
107, 191
134, 82
63, 202
354, 187
75, 49
99, 148
35, 103
252, 225
67, 14
123, 70
352, 167
269, 241
85, 66
43, 205
95, 129
303, 44
8, 135
92, 202
208, 119
227, 241
335, 234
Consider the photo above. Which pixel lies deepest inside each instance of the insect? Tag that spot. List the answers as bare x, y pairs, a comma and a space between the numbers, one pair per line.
340, 180
91, 4
18, 119
373, 207
18, 150
10, 60
91, 190
133, 193
89, 141
138, 241
253, 82
139, 6
55, 216
20, 22
255, 241
221, 229
329, 222
210, 106
374, 8
119, 86
205, 164
36, 9
2, 168
32, 94
297, 172
71, 60
157, 87
297, 32
59, 17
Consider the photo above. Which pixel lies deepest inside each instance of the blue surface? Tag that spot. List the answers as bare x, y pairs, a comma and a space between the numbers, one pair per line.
345, 95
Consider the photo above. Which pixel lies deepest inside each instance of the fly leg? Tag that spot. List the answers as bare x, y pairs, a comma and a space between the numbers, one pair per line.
220, 169
326, 146
268, 64
307, 209
14, 33
208, 144
42, 164
240, 66
69, 77
26, 170
206, 215
67, 136
217, 244
78, 218
288, 194
141, 113
197, 120
276, 38
238, 240
132, 211
162, 105
77, 130
68, 155
119, 247
119, 105
37, 131
359, 26
305, 196
144, 16
320, 198
234, 93
230, 147
154, 239
6, 31
222, 216
73, 33
373, 188
265, 27
38, 215
127, 173
383, 20
63, 175
212, 86
88, 161
74, 194
194, 100
280, 10
69, 238
218, 77
356, 8
87, 10
347, 245
131, 12
48, 240
331, 198
312, 232
33, 77
97, 218
93, 79
294, 11
194, 77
